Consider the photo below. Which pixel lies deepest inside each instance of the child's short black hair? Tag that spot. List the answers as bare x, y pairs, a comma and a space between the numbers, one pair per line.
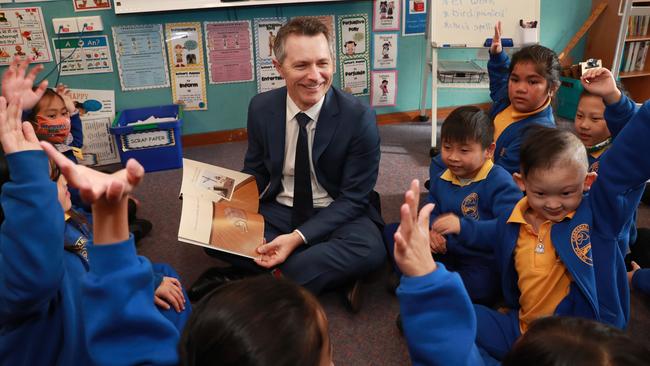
468, 123
558, 341
619, 85
256, 321
544, 147
545, 60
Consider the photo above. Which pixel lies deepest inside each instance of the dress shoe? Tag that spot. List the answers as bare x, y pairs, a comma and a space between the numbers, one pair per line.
211, 279
353, 296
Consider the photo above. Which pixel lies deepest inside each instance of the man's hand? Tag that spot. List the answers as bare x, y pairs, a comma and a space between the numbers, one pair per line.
170, 293
64, 92
446, 224
16, 83
496, 47
15, 135
278, 250
600, 81
412, 251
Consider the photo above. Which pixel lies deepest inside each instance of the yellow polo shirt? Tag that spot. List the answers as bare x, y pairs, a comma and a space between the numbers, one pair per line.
509, 116
543, 279
482, 174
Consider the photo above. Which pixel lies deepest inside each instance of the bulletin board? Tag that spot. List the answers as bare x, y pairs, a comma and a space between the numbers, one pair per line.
465, 23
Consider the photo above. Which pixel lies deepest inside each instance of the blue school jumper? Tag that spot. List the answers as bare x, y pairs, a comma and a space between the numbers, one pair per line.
477, 204
42, 317
589, 244
641, 281
508, 143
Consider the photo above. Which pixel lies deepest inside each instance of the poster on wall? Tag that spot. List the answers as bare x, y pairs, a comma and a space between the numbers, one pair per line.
87, 5
97, 114
23, 34
383, 88
230, 51
266, 29
414, 21
140, 54
354, 76
83, 55
385, 15
268, 78
384, 50
185, 50
353, 34
188, 89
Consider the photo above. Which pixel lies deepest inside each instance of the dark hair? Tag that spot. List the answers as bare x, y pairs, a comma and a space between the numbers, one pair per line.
545, 60
303, 26
468, 123
258, 321
47, 96
560, 341
543, 147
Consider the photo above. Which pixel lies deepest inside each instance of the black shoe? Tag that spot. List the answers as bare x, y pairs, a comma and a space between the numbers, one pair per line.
211, 279
352, 296
140, 228
398, 323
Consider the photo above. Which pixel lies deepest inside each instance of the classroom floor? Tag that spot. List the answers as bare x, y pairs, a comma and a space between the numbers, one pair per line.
369, 337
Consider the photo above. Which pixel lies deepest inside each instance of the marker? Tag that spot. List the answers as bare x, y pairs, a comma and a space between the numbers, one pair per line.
451, 45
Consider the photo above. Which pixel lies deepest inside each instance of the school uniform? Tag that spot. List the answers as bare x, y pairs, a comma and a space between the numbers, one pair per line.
641, 281
509, 124
43, 320
477, 202
584, 252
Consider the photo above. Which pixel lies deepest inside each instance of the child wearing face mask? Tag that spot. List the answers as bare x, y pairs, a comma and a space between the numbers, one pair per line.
56, 120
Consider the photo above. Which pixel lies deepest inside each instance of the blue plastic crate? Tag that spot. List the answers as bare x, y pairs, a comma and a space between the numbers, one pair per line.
568, 97
157, 146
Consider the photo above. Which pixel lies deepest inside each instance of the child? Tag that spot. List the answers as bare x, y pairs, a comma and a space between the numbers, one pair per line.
468, 197
521, 92
56, 120
557, 252
440, 326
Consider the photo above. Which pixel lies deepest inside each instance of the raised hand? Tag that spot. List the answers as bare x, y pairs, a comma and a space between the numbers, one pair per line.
496, 47
600, 81
15, 135
17, 83
64, 92
412, 252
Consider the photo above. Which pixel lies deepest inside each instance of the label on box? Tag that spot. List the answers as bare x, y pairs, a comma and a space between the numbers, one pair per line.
143, 140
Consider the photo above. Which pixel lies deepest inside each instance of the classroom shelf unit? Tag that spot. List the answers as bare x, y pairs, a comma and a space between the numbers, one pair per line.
608, 38
145, 6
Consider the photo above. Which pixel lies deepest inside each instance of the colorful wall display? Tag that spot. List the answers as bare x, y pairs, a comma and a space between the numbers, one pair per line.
185, 50
23, 34
140, 54
230, 51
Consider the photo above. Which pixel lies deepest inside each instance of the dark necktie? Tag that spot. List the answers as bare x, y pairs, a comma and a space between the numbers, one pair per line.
303, 202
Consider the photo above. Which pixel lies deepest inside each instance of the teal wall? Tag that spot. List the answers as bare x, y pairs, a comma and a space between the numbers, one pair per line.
228, 103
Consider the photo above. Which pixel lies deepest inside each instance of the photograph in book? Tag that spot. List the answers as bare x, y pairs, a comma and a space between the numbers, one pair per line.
220, 209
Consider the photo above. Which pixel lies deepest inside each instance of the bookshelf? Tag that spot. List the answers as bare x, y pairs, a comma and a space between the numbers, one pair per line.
611, 39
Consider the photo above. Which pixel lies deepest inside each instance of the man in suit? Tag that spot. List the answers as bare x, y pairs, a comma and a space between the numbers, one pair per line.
320, 228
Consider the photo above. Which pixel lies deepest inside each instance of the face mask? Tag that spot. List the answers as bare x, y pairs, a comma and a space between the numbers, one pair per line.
53, 130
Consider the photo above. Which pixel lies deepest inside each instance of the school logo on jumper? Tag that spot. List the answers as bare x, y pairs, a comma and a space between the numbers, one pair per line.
594, 167
470, 206
581, 243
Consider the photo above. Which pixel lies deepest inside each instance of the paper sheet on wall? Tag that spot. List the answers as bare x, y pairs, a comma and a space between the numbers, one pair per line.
353, 35
266, 30
383, 88
85, 55
23, 34
91, 5
385, 15
230, 51
414, 20
384, 50
185, 49
140, 54
97, 114
354, 76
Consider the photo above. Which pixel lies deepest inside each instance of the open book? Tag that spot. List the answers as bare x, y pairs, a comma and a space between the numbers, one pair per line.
220, 209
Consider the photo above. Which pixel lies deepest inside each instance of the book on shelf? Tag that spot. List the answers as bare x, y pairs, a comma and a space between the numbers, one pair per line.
630, 56
220, 209
642, 55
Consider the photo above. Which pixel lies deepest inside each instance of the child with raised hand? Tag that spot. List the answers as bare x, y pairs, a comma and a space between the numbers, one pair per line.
521, 92
440, 325
41, 280
18, 83
469, 196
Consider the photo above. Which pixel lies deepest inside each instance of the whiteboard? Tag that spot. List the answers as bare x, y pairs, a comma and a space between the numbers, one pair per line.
468, 23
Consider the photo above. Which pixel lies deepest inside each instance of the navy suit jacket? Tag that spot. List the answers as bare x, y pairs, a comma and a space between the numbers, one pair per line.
345, 156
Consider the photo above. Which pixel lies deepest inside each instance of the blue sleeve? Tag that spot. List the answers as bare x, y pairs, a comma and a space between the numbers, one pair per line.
498, 72
157, 280
76, 130
504, 196
619, 113
439, 320
31, 261
641, 281
622, 169
510, 160
126, 328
